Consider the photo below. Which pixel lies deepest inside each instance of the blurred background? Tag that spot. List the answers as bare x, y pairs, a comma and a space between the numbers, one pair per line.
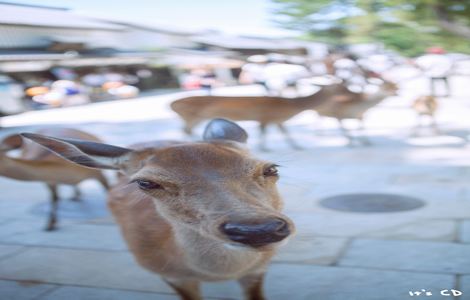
379, 193
79, 53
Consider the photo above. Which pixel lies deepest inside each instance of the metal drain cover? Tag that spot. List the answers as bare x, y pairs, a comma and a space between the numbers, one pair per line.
371, 203
87, 208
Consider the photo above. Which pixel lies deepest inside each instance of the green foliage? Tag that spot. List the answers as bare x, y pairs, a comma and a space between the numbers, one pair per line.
407, 26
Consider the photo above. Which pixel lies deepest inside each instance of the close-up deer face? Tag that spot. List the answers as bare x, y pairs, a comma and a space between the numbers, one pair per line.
215, 187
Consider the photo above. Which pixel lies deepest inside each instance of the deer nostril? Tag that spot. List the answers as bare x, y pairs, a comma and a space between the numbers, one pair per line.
282, 228
256, 234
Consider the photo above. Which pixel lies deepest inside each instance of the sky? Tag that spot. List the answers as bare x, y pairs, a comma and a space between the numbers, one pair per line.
243, 17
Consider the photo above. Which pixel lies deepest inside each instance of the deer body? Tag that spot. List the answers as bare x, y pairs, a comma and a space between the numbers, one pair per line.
264, 110
192, 212
39, 164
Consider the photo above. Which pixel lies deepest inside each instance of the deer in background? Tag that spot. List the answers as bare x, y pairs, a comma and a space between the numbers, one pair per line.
426, 106
36, 163
192, 212
352, 105
263, 109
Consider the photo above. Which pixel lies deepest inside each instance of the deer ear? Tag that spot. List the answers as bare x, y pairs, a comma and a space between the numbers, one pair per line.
222, 129
85, 153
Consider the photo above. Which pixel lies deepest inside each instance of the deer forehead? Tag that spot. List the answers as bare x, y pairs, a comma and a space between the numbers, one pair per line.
212, 161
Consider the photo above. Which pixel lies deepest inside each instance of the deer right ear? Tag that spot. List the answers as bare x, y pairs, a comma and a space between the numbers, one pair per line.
85, 153
222, 129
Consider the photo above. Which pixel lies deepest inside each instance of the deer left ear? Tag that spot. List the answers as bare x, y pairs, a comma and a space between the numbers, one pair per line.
222, 129
85, 153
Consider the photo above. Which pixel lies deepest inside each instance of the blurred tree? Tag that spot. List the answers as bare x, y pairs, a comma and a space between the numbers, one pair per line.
408, 26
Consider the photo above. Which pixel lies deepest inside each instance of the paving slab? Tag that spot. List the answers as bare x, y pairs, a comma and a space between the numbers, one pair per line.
417, 256
17, 290
333, 283
7, 250
81, 267
101, 269
464, 287
85, 293
76, 236
319, 250
377, 225
432, 230
465, 232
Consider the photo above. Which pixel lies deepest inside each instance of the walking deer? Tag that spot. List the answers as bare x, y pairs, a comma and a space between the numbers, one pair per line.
39, 164
265, 110
352, 105
192, 212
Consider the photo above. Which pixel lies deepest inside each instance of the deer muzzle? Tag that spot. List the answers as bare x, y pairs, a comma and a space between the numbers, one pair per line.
257, 233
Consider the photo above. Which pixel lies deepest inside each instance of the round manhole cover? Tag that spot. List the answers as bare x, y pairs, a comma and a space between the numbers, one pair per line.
372, 203
87, 208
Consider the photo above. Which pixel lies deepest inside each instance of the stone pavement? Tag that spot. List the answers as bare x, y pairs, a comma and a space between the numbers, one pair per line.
334, 256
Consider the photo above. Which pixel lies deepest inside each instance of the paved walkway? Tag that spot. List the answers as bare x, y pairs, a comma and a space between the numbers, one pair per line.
335, 255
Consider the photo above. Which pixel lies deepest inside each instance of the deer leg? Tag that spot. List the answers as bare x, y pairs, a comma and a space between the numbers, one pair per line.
434, 125
262, 138
186, 289
52, 221
103, 181
252, 286
346, 133
416, 129
364, 139
289, 139
77, 193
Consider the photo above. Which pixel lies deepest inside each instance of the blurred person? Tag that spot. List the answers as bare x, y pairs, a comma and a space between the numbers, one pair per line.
282, 75
124, 91
436, 66
11, 93
93, 80
189, 81
34, 95
113, 76
48, 100
120, 89
207, 80
73, 93
329, 62
131, 79
254, 72
348, 69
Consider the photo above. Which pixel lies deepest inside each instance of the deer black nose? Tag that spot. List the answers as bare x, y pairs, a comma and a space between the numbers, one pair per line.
258, 233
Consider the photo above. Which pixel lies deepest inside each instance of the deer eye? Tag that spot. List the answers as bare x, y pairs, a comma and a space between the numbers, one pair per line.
271, 171
148, 185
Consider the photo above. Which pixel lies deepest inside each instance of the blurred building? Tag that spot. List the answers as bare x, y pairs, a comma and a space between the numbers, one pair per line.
40, 44
248, 45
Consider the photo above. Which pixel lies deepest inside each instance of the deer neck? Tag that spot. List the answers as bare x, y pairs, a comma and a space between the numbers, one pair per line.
311, 101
